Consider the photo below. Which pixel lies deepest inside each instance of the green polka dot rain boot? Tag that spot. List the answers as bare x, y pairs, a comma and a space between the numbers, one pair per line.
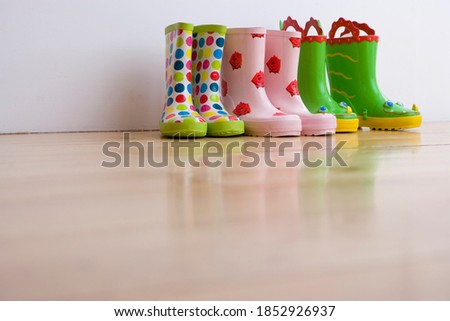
208, 43
351, 64
180, 117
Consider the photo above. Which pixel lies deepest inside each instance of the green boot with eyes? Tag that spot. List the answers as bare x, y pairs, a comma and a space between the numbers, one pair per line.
312, 82
351, 63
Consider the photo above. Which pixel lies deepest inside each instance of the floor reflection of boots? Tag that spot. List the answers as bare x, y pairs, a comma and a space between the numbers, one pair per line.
312, 176
350, 188
281, 199
211, 195
312, 199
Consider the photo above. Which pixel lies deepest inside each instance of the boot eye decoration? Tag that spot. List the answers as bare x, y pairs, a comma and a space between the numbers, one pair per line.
322, 109
389, 104
343, 104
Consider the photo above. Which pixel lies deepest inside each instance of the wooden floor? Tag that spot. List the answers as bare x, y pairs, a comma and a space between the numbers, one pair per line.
377, 229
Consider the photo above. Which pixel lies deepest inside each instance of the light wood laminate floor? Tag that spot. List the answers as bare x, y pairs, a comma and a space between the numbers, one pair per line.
377, 229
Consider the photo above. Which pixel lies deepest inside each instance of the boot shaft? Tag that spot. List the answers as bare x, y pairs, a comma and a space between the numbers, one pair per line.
312, 81
179, 102
351, 64
244, 48
281, 63
243, 65
178, 50
208, 43
312, 69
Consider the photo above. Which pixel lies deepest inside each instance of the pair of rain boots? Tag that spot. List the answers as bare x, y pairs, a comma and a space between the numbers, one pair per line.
260, 84
351, 66
193, 106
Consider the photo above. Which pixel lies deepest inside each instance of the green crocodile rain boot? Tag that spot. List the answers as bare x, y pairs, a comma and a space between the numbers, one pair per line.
352, 73
312, 82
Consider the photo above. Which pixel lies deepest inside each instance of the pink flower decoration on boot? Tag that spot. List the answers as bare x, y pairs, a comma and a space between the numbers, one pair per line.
236, 60
242, 109
274, 65
258, 79
295, 42
292, 88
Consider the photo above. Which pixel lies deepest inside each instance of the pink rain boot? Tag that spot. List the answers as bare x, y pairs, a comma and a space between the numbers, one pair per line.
282, 57
243, 85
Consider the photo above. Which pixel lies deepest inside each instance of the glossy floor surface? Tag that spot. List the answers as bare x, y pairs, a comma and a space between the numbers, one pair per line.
378, 228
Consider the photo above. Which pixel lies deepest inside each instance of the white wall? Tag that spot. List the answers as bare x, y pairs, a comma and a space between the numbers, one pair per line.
74, 65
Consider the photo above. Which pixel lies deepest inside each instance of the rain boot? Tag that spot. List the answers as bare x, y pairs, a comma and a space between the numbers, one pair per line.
179, 117
312, 81
243, 86
352, 73
207, 54
282, 52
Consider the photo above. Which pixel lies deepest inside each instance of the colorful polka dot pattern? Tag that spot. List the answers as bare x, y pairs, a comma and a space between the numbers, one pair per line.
179, 105
207, 60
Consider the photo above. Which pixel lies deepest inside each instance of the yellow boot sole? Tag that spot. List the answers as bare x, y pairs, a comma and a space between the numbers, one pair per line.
347, 125
393, 123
